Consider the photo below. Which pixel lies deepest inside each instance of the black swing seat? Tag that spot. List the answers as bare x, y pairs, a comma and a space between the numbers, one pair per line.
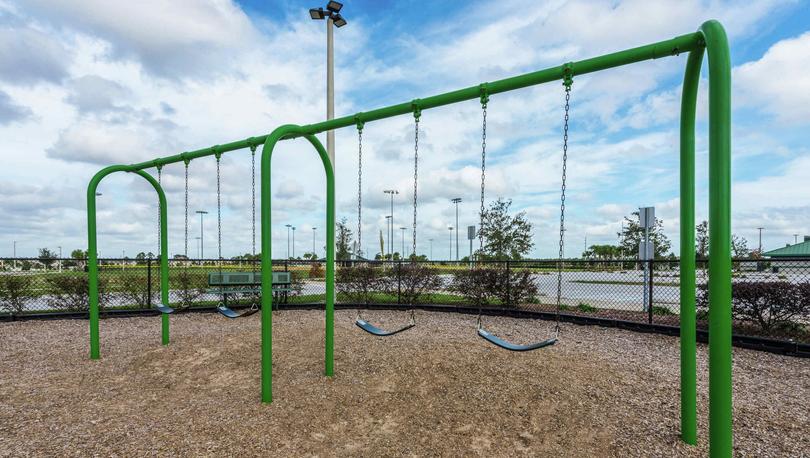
230, 313
513, 347
163, 308
371, 329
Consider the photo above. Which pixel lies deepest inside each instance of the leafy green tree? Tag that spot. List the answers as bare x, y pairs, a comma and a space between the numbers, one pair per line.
505, 236
343, 240
633, 233
603, 252
46, 257
739, 245
78, 254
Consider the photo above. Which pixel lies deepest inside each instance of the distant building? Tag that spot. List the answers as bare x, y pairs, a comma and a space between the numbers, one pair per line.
798, 250
799, 253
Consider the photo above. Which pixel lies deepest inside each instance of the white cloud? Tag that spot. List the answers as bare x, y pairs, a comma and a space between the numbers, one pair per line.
183, 38
779, 82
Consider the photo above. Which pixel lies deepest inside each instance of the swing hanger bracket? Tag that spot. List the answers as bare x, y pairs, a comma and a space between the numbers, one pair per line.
483, 89
359, 121
568, 74
217, 152
186, 160
252, 144
416, 104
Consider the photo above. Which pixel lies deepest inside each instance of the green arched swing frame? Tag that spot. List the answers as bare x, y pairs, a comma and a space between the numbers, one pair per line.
710, 39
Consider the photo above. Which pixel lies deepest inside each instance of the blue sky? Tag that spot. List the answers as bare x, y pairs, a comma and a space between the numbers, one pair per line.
92, 83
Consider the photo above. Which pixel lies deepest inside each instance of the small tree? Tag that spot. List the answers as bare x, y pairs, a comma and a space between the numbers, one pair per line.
633, 233
344, 237
505, 237
702, 240
46, 257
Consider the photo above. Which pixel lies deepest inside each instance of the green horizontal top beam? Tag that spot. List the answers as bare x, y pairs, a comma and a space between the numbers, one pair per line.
672, 47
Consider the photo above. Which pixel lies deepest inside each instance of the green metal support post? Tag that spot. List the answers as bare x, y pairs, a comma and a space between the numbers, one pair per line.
267, 259
92, 253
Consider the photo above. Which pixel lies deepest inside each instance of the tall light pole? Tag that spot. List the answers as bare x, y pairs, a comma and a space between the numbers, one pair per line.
392, 192
198, 246
314, 256
760, 239
333, 18
293, 228
450, 228
14, 255
388, 233
202, 235
402, 254
456, 200
431, 248
288, 239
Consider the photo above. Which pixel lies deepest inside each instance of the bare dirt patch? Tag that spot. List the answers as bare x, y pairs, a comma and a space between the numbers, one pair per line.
436, 389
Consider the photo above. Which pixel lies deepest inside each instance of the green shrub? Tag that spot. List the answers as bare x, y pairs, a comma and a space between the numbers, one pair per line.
15, 290
585, 307
358, 282
768, 304
411, 282
485, 285
71, 292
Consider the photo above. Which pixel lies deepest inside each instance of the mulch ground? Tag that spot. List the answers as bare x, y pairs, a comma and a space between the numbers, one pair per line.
435, 390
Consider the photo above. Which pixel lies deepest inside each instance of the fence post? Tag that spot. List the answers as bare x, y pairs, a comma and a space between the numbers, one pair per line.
508, 286
399, 283
650, 294
149, 281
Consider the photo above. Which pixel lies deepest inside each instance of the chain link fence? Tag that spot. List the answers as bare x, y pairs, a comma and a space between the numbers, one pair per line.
771, 298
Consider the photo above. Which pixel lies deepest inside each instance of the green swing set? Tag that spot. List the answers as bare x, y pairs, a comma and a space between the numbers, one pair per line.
710, 40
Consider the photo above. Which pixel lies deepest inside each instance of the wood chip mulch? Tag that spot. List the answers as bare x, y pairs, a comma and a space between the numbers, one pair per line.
435, 390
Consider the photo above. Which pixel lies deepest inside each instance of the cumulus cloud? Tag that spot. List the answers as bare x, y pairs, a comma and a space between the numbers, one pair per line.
778, 82
95, 94
11, 112
28, 55
176, 39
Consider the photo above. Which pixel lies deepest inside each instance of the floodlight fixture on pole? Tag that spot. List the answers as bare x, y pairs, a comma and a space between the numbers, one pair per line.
402, 255
314, 256
202, 236
392, 192
288, 226
333, 17
450, 228
456, 201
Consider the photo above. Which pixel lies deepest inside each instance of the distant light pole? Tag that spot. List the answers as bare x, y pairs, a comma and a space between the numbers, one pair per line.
202, 235
60, 259
431, 248
388, 233
288, 226
123, 259
293, 228
314, 256
198, 246
456, 200
402, 254
14, 251
760, 229
795, 238
333, 17
392, 192
450, 228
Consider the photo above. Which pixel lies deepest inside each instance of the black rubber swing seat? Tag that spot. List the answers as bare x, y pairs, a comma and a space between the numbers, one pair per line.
230, 313
513, 347
371, 329
163, 308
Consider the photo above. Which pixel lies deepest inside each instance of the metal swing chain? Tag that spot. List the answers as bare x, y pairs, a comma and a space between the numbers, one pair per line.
185, 234
219, 220
484, 101
417, 114
253, 199
160, 171
359, 187
567, 83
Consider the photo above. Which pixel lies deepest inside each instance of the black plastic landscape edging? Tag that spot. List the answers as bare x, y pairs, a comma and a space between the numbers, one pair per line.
781, 347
